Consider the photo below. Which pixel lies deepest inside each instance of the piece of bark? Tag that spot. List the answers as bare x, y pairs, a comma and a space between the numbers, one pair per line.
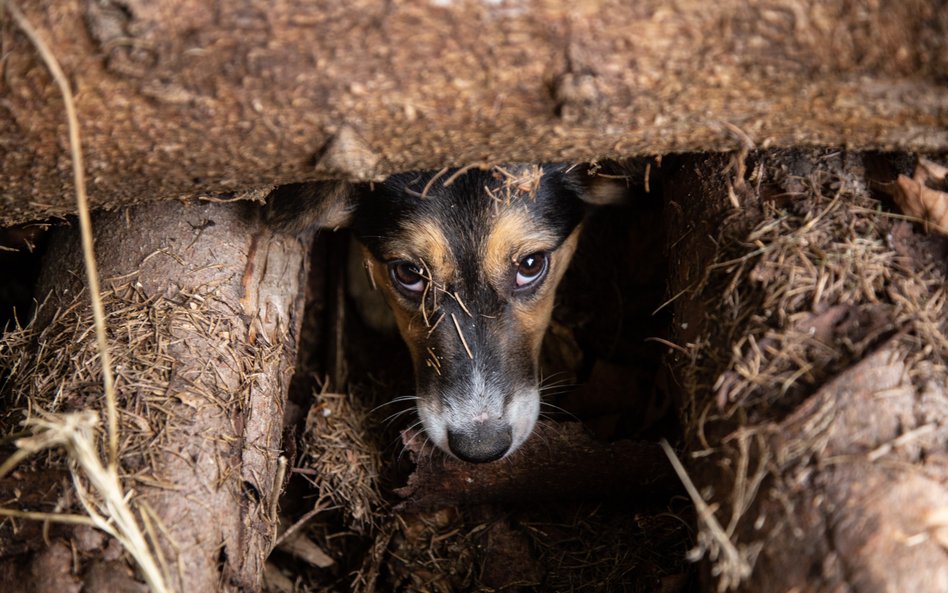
924, 195
862, 516
560, 462
306, 550
204, 305
176, 98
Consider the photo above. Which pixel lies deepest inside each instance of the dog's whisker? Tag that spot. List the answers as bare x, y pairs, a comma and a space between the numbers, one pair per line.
413, 427
555, 393
391, 418
414, 433
430, 447
396, 400
563, 383
545, 379
398, 439
554, 396
557, 389
560, 410
552, 393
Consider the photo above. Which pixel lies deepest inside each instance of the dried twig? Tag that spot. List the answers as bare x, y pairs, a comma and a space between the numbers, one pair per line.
457, 326
113, 515
85, 222
733, 567
431, 182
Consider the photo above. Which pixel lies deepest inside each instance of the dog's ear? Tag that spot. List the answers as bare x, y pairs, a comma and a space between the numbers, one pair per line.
598, 184
297, 207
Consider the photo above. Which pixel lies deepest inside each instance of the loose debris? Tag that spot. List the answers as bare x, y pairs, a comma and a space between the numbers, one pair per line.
51, 368
813, 287
519, 182
52, 374
732, 565
75, 432
103, 500
341, 460
924, 196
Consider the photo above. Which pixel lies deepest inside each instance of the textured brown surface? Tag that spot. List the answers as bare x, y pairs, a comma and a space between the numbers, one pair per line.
810, 364
178, 98
204, 306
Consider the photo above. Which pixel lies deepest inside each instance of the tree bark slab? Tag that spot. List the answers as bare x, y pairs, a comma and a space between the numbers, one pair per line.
176, 98
203, 306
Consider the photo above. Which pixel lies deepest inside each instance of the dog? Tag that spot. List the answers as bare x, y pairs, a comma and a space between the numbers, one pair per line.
469, 261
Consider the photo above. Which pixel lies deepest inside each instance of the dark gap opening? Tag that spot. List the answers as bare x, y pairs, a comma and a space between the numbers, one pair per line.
21, 251
601, 368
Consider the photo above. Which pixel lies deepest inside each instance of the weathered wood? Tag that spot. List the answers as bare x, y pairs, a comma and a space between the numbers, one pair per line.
178, 98
204, 306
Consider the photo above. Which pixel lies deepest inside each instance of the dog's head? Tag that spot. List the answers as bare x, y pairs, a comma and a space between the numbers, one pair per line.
469, 262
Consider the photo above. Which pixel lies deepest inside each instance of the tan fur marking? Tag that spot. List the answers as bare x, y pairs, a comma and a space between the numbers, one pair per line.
411, 329
424, 240
533, 316
514, 235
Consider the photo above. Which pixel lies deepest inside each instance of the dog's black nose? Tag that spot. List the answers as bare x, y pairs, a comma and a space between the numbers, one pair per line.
483, 442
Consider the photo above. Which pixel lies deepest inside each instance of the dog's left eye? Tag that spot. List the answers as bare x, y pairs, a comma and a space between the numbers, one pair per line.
407, 276
531, 269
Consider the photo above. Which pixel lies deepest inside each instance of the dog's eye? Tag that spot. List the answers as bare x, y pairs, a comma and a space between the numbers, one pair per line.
531, 269
407, 276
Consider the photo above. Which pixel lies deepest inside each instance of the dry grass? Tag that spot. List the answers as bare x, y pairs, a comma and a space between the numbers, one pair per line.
518, 182
53, 380
104, 500
341, 460
74, 433
831, 247
434, 553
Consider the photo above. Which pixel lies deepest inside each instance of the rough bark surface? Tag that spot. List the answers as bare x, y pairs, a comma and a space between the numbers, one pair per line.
203, 307
814, 400
181, 98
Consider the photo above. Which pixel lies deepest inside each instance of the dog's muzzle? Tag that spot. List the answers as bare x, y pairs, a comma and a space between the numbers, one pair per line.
479, 426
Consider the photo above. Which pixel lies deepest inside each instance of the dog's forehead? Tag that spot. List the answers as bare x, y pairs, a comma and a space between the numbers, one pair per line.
435, 215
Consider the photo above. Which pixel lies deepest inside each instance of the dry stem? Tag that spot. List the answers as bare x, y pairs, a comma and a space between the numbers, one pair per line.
85, 222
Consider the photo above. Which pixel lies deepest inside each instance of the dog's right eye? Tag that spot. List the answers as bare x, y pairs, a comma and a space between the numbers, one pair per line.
407, 276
